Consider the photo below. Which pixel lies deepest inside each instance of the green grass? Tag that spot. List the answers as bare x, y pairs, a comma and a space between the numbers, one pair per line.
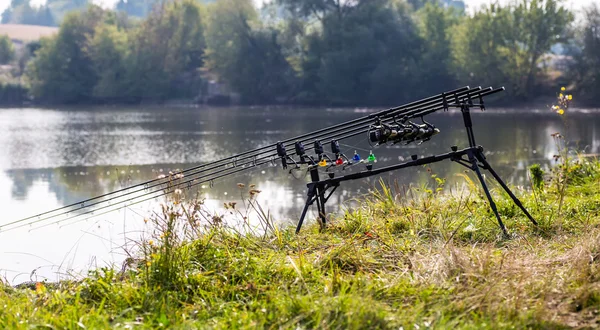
405, 258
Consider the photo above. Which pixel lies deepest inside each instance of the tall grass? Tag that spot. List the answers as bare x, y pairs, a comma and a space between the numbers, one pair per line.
405, 257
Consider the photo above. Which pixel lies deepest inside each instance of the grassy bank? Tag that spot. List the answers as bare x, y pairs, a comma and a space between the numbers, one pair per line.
409, 258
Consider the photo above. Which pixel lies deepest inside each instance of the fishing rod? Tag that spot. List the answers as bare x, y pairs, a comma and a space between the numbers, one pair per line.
380, 113
195, 170
427, 104
130, 199
193, 182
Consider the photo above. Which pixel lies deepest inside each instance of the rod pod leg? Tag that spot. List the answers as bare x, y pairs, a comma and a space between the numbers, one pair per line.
321, 206
309, 200
475, 167
505, 187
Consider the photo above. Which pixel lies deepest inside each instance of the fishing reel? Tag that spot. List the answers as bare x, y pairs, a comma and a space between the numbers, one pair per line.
401, 132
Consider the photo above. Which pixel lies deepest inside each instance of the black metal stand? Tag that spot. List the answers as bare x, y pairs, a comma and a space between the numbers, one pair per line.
475, 160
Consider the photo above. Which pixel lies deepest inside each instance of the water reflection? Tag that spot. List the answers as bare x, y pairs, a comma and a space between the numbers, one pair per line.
52, 158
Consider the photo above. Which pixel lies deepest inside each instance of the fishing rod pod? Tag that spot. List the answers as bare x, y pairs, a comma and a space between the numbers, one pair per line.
390, 130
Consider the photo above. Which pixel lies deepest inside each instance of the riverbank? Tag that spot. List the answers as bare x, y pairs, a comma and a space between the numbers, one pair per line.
413, 258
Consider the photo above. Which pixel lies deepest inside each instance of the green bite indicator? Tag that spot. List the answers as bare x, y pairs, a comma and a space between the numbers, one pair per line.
371, 158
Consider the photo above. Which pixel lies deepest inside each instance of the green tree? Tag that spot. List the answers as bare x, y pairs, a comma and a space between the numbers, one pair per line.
436, 25
587, 59
504, 45
244, 54
63, 71
359, 51
108, 50
167, 51
7, 50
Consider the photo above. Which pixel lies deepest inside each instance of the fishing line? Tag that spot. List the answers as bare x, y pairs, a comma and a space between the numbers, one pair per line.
173, 182
380, 113
350, 147
128, 203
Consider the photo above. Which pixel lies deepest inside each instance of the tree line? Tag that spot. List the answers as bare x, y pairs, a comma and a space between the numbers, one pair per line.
372, 52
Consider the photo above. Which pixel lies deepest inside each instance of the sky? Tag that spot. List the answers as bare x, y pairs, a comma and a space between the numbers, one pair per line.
472, 4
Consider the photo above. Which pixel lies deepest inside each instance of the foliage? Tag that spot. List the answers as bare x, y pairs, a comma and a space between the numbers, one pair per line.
359, 49
402, 258
63, 71
108, 51
504, 44
7, 50
245, 54
97, 57
537, 176
435, 29
372, 52
166, 49
12, 94
586, 68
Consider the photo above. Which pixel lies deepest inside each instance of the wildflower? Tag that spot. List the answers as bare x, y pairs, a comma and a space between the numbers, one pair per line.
148, 263
39, 287
555, 107
177, 191
561, 95
241, 185
254, 192
570, 97
561, 112
145, 220
252, 186
151, 242
563, 89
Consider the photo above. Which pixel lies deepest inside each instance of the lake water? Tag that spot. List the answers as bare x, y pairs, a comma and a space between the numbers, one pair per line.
54, 157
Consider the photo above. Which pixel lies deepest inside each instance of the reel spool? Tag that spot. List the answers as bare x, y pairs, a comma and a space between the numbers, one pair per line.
382, 133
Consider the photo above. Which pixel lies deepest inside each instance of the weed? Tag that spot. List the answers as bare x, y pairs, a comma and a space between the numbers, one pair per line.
403, 258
